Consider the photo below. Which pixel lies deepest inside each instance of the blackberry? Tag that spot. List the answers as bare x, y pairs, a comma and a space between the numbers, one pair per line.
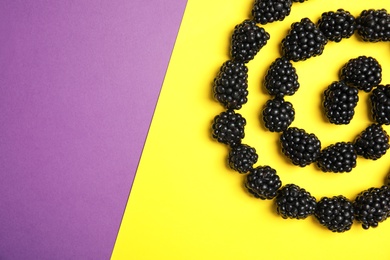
363, 73
373, 25
300, 147
372, 206
228, 128
380, 104
278, 115
339, 102
294, 202
337, 158
304, 40
281, 78
242, 158
268, 11
337, 25
263, 182
372, 143
247, 40
336, 213
231, 84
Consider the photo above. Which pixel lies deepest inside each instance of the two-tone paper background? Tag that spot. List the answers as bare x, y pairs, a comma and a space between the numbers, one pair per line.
80, 83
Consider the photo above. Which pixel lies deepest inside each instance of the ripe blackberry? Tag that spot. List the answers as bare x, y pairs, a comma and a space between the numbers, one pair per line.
363, 73
374, 25
281, 78
294, 202
337, 25
337, 158
300, 147
247, 40
339, 102
304, 40
380, 104
268, 11
336, 213
231, 84
278, 115
242, 158
372, 206
372, 143
263, 182
228, 128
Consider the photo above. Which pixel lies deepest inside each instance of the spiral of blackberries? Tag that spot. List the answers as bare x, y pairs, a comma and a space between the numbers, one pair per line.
294, 202
228, 128
242, 158
336, 213
263, 182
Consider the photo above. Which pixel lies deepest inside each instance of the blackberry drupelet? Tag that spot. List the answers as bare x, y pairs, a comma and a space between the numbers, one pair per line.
364, 73
242, 158
268, 11
373, 25
337, 158
263, 182
228, 128
294, 202
372, 206
372, 143
278, 114
336, 213
281, 78
300, 147
247, 40
304, 40
337, 25
339, 102
380, 104
231, 84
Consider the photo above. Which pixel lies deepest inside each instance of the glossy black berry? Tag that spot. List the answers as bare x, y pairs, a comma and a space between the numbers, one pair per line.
268, 11
294, 202
339, 102
231, 85
337, 25
336, 213
364, 73
374, 25
281, 78
228, 128
263, 182
372, 206
300, 147
242, 158
304, 40
372, 143
247, 40
278, 114
380, 104
337, 158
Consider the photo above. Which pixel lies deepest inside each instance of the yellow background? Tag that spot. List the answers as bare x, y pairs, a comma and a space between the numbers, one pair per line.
187, 204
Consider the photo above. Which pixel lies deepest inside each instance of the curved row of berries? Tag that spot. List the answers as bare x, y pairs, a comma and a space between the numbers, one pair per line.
304, 40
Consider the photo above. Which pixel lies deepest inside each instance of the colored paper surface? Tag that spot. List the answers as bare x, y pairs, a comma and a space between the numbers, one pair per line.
79, 81
186, 203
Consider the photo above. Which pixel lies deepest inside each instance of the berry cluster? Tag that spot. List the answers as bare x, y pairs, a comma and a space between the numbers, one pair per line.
306, 39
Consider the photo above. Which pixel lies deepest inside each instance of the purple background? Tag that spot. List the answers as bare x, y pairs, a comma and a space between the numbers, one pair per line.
78, 82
